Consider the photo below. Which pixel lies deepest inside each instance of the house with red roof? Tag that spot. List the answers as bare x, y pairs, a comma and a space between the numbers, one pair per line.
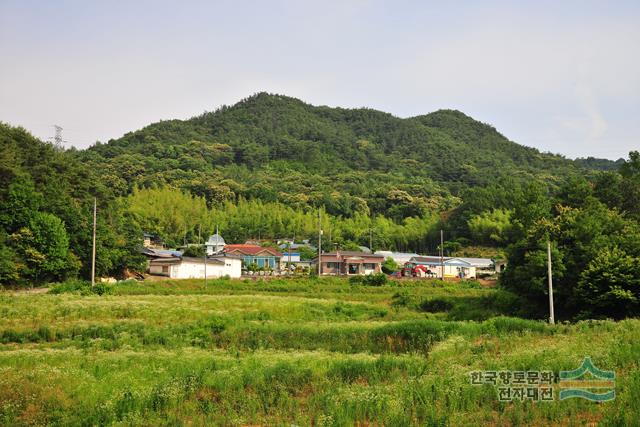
262, 257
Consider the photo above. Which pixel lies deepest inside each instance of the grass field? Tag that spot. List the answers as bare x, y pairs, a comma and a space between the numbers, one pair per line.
294, 352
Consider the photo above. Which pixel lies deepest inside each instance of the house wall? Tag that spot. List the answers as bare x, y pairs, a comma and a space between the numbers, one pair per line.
261, 261
469, 272
158, 269
189, 270
295, 257
370, 268
330, 269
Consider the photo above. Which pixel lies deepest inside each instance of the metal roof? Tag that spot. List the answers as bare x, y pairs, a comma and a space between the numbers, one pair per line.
478, 262
215, 239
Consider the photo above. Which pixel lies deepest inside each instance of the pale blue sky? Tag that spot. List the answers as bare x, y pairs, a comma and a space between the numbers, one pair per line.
561, 76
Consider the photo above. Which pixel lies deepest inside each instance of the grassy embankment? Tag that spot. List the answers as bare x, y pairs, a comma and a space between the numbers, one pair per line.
306, 352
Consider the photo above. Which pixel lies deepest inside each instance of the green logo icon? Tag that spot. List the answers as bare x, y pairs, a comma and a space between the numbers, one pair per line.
588, 382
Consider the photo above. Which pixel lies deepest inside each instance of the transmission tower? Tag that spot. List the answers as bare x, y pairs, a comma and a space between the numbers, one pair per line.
57, 138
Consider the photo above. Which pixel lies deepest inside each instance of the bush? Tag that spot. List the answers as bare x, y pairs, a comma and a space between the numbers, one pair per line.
471, 284
389, 266
195, 251
81, 287
401, 299
356, 280
101, 289
70, 286
435, 305
378, 279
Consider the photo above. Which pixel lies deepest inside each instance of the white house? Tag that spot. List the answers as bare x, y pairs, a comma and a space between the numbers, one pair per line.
195, 268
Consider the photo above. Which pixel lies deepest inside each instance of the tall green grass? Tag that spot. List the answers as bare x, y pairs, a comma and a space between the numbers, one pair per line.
293, 352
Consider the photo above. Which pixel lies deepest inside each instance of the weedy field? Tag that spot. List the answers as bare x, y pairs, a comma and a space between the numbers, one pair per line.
319, 352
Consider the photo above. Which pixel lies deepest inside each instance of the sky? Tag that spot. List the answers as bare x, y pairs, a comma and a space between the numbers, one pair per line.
560, 76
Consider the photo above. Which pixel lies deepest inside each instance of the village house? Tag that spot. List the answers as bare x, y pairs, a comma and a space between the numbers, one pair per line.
181, 267
262, 257
349, 263
467, 268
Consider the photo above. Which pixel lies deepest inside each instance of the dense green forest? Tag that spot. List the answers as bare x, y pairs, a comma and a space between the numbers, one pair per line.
265, 167
279, 149
46, 204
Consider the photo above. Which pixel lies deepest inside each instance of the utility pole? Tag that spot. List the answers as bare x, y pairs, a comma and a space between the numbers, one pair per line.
552, 319
93, 249
370, 240
319, 244
217, 237
442, 254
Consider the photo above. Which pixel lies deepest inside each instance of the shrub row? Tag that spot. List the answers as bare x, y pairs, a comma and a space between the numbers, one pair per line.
400, 337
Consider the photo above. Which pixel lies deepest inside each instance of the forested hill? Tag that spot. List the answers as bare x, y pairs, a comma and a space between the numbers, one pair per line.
266, 166
278, 148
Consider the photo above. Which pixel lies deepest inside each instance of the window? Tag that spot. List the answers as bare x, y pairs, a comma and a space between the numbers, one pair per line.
165, 268
369, 266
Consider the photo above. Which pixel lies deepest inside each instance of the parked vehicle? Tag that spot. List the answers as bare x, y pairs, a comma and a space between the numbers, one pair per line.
416, 270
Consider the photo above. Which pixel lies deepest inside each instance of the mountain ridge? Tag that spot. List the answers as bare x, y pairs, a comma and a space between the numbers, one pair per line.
278, 148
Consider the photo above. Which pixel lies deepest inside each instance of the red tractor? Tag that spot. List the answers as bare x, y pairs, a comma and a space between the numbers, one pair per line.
416, 270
